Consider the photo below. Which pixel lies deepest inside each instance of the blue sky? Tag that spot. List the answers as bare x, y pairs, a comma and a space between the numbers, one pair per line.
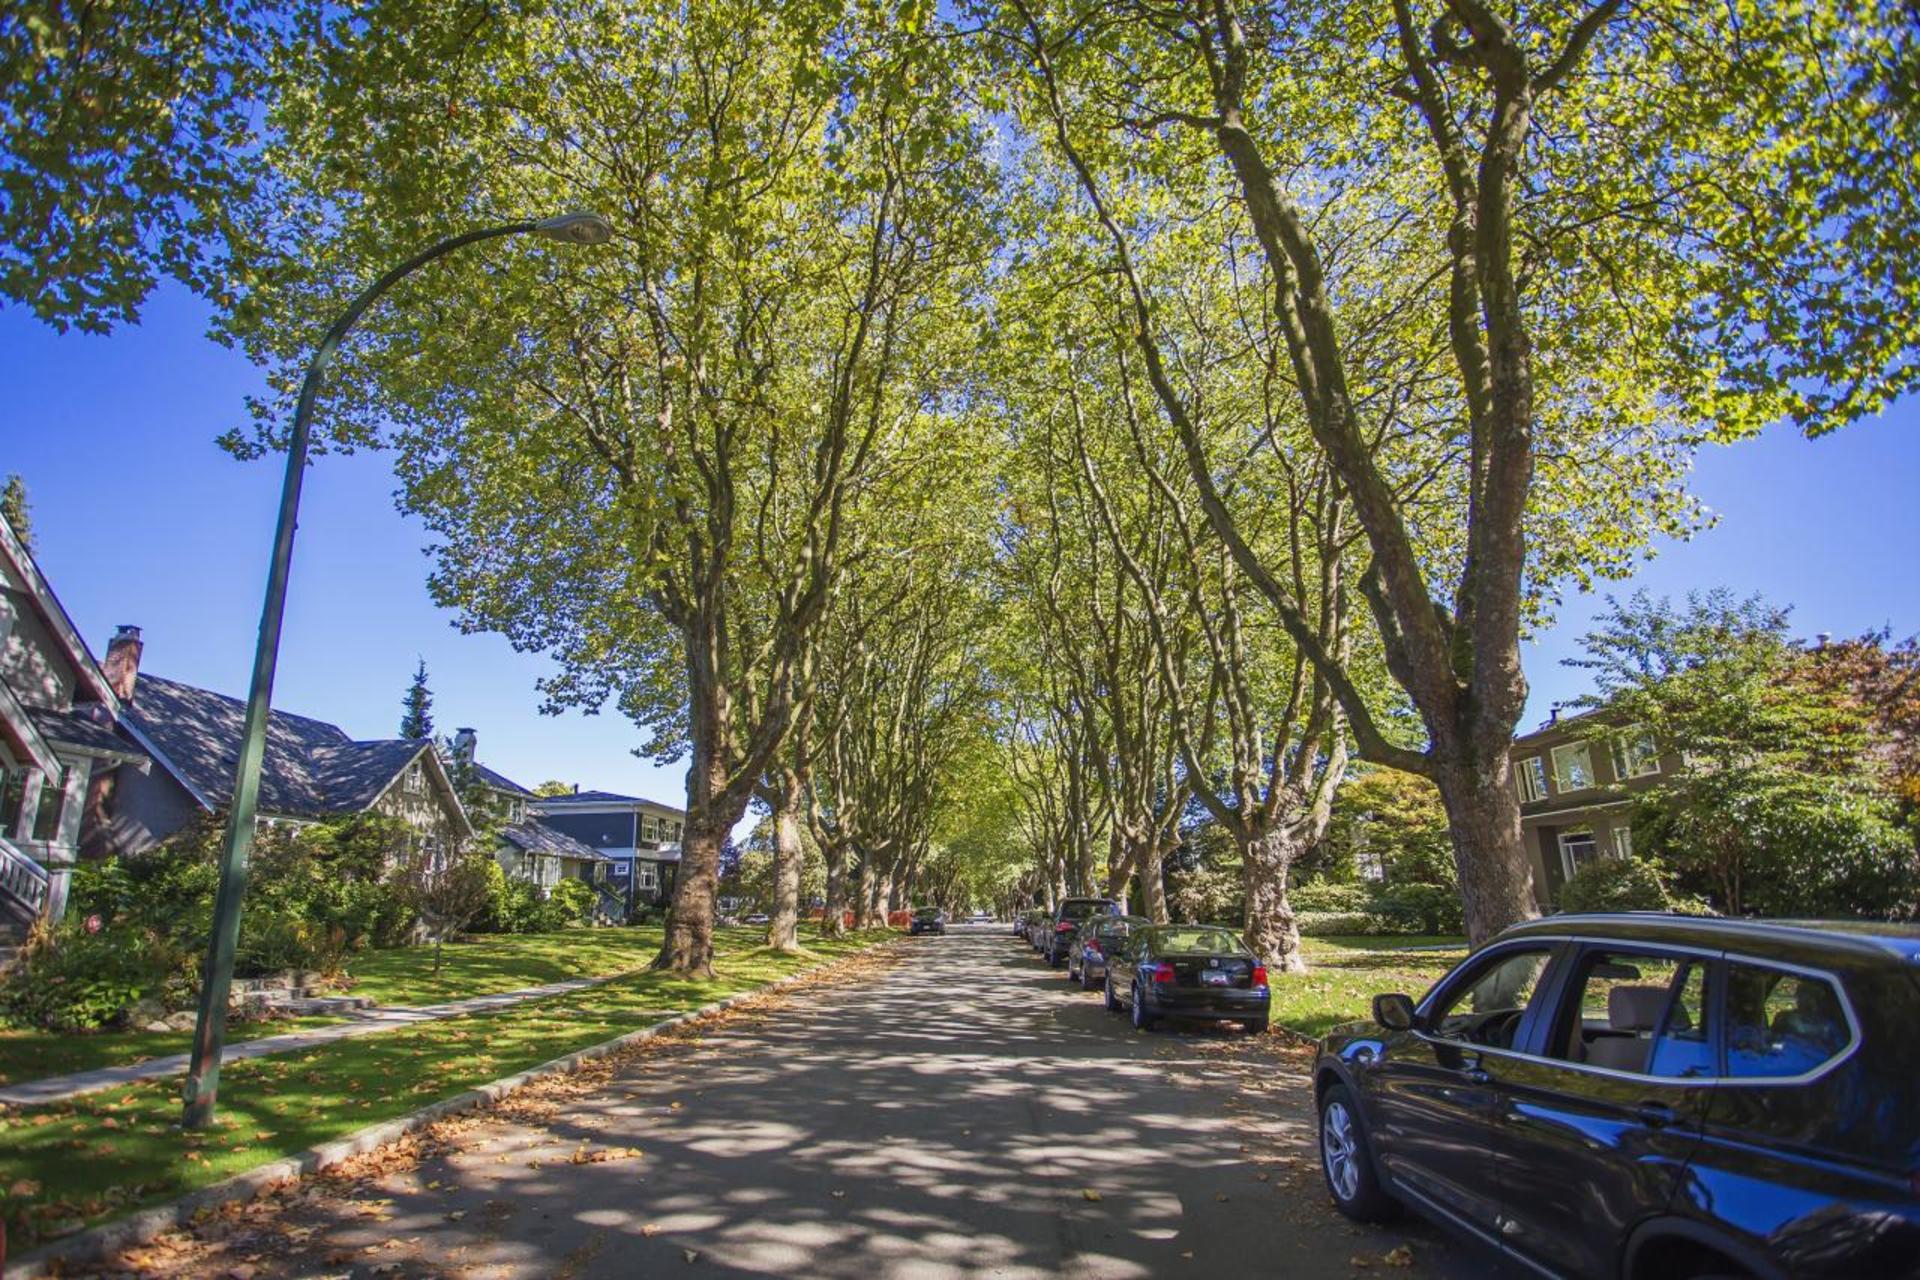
141, 519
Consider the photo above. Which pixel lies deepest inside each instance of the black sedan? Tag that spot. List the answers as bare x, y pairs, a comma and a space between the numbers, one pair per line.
1190, 972
1647, 1096
928, 920
1099, 938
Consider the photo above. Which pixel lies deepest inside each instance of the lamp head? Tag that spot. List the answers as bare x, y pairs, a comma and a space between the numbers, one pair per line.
575, 228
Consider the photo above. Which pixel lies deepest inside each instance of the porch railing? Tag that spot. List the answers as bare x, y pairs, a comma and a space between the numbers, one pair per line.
24, 883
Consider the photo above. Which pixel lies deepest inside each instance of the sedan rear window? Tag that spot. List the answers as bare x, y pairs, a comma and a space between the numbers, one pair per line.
1081, 908
1210, 940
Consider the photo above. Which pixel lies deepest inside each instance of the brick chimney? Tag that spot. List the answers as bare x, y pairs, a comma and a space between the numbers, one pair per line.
122, 665
464, 741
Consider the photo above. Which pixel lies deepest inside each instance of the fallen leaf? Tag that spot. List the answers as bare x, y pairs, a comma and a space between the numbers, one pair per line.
692, 1255
1088, 1193
1398, 1256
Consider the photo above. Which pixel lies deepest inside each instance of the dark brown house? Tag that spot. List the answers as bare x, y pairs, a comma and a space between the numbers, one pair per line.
1577, 777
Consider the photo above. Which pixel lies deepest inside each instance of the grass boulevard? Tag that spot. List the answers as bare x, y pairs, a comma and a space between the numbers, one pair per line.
67, 1167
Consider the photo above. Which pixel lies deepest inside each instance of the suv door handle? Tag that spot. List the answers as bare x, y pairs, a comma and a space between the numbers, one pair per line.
1470, 1069
1655, 1115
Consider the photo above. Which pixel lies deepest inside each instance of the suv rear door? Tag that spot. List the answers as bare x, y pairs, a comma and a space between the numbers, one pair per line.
1595, 1118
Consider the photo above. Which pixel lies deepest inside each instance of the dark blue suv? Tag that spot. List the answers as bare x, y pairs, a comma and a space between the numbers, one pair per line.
1645, 1097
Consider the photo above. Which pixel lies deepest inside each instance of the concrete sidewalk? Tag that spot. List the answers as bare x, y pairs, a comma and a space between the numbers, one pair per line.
364, 1022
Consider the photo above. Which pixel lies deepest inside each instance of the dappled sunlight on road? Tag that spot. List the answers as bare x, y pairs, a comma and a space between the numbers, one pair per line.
963, 1113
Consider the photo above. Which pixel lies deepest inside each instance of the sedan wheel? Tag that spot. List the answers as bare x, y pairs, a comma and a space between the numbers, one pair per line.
1347, 1160
1142, 1020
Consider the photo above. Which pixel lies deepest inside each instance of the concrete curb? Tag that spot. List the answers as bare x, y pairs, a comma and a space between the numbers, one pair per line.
109, 1238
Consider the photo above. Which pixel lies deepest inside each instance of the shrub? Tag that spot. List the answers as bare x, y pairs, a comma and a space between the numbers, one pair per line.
1331, 895
1624, 884
1322, 924
575, 899
69, 979
1419, 908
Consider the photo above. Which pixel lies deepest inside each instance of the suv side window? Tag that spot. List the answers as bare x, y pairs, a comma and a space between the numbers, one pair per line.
1486, 1007
1637, 1011
1782, 1024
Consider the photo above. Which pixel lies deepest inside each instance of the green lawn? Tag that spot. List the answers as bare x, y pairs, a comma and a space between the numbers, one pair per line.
1345, 973
31, 1054
402, 975
71, 1165
507, 962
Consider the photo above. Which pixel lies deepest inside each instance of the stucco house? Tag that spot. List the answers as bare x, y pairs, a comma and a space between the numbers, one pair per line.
1577, 777
58, 717
639, 837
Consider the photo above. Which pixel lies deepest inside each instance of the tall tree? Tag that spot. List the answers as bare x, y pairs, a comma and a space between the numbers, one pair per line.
651, 458
1572, 195
416, 706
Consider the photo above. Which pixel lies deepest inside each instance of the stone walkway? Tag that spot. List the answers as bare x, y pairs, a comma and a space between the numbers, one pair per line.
365, 1022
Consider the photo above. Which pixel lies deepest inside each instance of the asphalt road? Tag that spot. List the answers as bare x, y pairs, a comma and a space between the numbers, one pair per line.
960, 1112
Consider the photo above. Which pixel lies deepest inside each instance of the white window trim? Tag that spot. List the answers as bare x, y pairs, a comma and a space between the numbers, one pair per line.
1623, 769
1623, 843
1560, 781
1530, 780
1566, 855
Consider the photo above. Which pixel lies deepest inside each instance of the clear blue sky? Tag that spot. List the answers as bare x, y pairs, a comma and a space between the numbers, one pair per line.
141, 519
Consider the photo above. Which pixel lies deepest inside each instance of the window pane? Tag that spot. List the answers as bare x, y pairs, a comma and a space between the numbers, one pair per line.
1637, 1012
1488, 1010
46, 819
1572, 767
1781, 1024
1684, 1046
1531, 779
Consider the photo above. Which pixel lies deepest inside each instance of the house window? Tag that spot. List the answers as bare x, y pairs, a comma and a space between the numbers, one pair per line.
516, 811
1623, 842
13, 795
1530, 779
649, 829
1634, 756
648, 876
416, 781
1572, 767
1577, 849
679, 831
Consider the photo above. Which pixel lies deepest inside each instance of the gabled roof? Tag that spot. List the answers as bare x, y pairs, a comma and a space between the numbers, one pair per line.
54, 614
537, 837
311, 768
78, 731
499, 781
603, 798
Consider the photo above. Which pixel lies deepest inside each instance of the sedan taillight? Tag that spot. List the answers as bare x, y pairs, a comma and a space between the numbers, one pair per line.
1259, 975
1063, 927
1163, 974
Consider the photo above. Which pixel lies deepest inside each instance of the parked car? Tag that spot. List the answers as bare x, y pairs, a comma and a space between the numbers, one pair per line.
928, 920
1031, 925
1057, 936
1187, 971
1643, 1096
983, 916
1098, 938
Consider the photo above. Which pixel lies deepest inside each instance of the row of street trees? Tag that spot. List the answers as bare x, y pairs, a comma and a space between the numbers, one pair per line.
1016, 421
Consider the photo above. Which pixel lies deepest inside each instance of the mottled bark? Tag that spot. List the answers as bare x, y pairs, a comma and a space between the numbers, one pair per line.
1483, 819
1153, 885
688, 946
789, 855
833, 921
1270, 929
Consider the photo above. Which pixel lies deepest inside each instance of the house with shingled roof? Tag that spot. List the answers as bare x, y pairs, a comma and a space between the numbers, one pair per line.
312, 770
528, 848
58, 733
639, 837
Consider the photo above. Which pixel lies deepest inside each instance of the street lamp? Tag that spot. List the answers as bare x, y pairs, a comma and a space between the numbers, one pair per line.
209, 1033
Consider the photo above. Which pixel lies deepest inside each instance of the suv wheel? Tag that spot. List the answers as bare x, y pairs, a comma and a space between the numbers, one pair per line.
1346, 1158
1113, 1001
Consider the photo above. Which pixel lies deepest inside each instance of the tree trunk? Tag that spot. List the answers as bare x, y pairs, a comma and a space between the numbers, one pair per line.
783, 927
833, 919
1153, 884
688, 946
1483, 821
1271, 932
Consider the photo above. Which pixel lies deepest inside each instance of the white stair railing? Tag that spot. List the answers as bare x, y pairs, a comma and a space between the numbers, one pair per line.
23, 880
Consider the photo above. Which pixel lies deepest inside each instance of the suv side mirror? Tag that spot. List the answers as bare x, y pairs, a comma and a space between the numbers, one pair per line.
1393, 1011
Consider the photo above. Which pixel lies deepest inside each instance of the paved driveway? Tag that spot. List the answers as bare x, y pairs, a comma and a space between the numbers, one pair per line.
960, 1111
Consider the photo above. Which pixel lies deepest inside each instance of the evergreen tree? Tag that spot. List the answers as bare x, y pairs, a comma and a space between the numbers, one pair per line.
13, 506
416, 714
